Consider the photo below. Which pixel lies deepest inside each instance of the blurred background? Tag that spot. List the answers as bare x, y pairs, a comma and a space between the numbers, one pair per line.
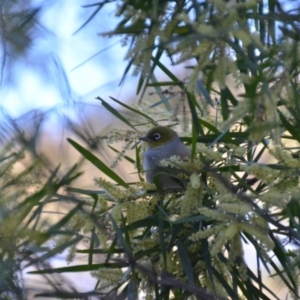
54, 64
54, 57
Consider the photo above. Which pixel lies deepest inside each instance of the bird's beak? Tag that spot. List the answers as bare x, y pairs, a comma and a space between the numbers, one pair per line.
144, 138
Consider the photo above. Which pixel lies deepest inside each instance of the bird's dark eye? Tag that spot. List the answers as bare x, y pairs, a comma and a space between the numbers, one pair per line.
156, 136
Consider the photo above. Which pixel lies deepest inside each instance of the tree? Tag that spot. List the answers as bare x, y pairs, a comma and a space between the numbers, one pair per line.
189, 244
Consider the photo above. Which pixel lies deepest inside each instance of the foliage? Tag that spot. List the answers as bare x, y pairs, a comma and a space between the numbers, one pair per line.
189, 244
28, 186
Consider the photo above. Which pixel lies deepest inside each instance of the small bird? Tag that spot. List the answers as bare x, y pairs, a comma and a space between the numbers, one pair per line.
162, 143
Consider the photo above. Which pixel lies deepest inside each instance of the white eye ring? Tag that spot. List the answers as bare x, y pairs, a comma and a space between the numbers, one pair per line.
156, 136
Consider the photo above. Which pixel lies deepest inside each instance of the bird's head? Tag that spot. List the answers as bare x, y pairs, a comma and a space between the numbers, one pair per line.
159, 136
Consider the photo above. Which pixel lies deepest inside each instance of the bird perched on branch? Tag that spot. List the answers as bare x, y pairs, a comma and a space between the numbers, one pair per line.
162, 143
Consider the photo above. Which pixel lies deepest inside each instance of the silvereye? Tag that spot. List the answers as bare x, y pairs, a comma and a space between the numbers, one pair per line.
162, 143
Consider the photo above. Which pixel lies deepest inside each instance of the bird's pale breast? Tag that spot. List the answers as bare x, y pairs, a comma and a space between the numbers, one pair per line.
154, 156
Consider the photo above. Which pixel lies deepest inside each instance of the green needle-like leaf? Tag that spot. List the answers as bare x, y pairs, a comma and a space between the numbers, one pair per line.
98, 163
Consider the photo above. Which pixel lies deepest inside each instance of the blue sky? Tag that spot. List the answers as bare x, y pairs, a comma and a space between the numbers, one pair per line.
62, 67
